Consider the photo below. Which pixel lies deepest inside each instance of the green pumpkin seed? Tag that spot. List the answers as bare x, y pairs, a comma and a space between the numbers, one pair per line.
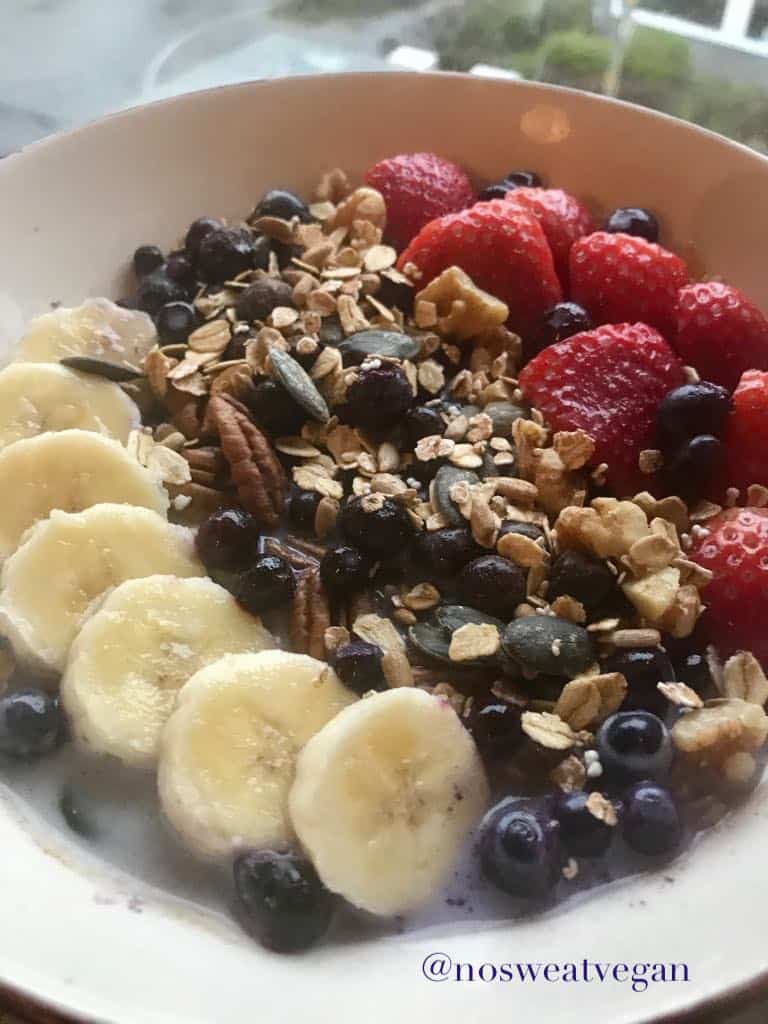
503, 415
548, 645
120, 372
390, 344
444, 480
431, 641
299, 385
453, 616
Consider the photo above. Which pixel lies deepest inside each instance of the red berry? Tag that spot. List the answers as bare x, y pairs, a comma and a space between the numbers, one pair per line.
608, 382
622, 278
562, 217
734, 546
720, 332
417, 187
503, 249
746, 455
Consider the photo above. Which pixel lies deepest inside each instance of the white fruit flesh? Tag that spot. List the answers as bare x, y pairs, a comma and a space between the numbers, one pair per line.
384, 797
68, 561
70, 470
98, 328
40, 397
228, 751
135, 653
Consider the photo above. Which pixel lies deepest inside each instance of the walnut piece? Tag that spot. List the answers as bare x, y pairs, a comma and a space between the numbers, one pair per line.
253, 465
463, 309
745, 679
608, 528
570, 775
720, 729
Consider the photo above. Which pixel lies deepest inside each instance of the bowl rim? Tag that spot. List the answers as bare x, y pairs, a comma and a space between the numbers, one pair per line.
38, 1009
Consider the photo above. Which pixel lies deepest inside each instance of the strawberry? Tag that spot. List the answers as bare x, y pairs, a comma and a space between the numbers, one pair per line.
720, 332
734, 546
417, 187
608, 382
746, 455
623, 278
562, 218
502, 247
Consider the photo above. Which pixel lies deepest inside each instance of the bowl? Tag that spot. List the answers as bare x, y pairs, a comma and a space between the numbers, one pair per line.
96, 943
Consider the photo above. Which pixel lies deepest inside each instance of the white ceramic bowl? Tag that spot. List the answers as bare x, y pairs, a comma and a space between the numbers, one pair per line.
72, 209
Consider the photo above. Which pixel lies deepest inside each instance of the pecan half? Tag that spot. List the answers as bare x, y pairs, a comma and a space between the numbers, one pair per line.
310, 615
253, 465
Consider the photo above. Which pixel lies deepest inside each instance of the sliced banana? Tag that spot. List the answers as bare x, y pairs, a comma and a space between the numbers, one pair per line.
131, 658
40, 397
71, 470
97, 328
68, 561
228, 751
384, 797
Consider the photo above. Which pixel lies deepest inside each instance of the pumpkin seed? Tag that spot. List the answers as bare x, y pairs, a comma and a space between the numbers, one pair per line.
298, 384
548, 645
120, 372
503, 415
390, 344
453, 616
431, 641
445, 478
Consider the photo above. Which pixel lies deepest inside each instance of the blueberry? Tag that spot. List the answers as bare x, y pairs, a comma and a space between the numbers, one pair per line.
30, 723
522, 179
275, 410
583, 832
302, 506
146, 259
269, 583
179, 268
284, 252
689, 472
497, 190
689, 410
633, 220
225, 253
280, 901
693, 669
421, 421
198, 230
587, 579
344, 569
444, 552
279, 202
634, 745
175, 322
331, 332
397, 293
157, 290
643, 668
492, 584
652, 824
558, 323
495, 728
378, 396
228, 539
262, 248
258, 300
376, 525
520, 848
358, 665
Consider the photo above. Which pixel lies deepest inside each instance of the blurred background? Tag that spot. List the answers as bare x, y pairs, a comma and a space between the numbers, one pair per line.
63, 62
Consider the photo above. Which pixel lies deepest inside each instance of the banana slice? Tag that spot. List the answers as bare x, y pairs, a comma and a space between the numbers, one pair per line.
97, 328
131, 658
228, 751
38, 397
71, 470
384, 797
68, 561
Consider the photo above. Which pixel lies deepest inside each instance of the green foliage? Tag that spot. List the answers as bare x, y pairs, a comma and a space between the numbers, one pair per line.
657, 56
738, 111
319, 10
563, 15
576, 52
485, 31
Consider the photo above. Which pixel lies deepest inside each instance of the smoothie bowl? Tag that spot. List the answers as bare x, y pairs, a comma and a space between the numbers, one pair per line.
385, 551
